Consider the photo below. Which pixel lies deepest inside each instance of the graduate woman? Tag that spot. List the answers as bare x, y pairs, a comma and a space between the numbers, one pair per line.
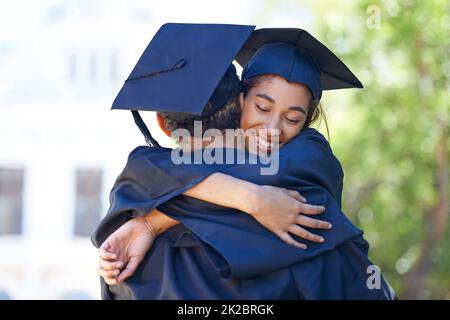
230, 255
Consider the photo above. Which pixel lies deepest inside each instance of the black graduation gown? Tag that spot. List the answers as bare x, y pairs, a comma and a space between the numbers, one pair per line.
222, 253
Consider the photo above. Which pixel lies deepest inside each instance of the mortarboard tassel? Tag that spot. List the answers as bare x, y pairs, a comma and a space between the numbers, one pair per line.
137, 117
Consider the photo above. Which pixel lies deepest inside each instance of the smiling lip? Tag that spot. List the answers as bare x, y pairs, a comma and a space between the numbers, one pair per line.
263, 143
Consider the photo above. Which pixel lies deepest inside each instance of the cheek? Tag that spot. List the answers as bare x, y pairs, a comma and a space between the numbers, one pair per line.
248, 117
290, 132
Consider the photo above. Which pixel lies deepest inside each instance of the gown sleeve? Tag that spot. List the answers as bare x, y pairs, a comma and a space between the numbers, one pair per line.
149, 179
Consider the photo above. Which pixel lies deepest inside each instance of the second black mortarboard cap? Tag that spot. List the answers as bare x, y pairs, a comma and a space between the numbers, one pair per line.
297, 56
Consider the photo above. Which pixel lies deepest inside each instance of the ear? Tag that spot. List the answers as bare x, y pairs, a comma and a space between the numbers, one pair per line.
241, 100
162, 124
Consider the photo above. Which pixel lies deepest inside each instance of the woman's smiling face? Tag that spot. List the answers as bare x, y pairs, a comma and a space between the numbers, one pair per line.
276, 105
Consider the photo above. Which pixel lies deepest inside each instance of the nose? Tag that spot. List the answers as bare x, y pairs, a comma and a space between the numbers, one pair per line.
272, 125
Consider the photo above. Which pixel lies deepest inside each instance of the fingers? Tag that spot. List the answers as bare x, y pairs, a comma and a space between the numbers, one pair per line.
110, 276
110, 265
109, 270
105, 254
110, 281
310, 209
304, 234
313, 223
296, 195
289, 240
130, 269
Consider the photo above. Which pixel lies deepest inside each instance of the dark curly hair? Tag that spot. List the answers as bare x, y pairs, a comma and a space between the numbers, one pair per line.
226, 117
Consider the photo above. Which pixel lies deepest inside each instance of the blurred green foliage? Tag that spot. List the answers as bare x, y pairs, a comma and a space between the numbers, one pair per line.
392, 136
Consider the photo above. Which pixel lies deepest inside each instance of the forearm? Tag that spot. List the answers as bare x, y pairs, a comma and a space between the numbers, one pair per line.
158, 221
219, 189
227, 191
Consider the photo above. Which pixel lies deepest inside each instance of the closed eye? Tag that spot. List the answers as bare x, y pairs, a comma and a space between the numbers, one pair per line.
292, 121
261, 108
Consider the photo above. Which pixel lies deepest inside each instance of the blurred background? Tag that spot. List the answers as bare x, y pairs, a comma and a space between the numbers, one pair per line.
61, 147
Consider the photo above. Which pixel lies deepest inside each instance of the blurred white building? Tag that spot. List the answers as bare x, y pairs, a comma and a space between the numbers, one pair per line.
61, 148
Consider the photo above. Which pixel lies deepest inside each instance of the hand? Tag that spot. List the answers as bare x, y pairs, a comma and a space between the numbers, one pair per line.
122, 252
280, 210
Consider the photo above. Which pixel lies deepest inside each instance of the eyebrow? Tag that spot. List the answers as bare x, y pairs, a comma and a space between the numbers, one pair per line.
272, 100
265, 96
298, 108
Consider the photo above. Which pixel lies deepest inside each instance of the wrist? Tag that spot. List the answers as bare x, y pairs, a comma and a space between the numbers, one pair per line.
152, 226
157, 222
249, 199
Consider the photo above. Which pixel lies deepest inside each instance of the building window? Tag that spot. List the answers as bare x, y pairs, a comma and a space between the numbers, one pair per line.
11, 199
88, 201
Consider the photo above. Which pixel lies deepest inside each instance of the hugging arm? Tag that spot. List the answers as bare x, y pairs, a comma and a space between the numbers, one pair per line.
150, 179
275, 208
279, 210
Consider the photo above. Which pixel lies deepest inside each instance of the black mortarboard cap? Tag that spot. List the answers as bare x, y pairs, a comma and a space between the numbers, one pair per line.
181, 68
297, 56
